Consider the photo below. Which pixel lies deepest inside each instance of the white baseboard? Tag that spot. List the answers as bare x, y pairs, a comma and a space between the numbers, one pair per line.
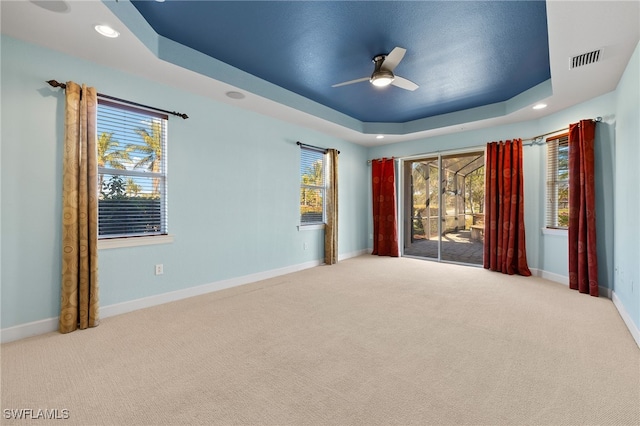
159, 299
605, 292
353, 254
633, 329
48, 325
29, 329
562, 279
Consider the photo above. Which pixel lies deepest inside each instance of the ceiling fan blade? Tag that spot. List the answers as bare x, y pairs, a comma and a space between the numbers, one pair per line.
393, 58
403, 83
357, 80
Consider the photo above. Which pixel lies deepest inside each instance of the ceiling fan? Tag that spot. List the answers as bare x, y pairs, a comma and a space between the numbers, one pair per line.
383, 73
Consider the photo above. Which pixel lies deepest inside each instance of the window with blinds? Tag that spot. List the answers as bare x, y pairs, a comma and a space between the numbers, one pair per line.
132, 172
312, 186
558, 182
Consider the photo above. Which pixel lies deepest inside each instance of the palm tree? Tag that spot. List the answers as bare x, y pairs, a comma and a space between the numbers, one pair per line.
110, 155
133, 189
108, 152
152, 150
313, 178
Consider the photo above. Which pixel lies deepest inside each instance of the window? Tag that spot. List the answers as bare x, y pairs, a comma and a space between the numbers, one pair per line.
132, 147
312, 186
558, 182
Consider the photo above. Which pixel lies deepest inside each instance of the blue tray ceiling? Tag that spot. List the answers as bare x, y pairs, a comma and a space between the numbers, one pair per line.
462, 54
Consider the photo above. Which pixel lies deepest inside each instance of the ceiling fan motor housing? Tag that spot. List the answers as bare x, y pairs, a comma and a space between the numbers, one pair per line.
381, 77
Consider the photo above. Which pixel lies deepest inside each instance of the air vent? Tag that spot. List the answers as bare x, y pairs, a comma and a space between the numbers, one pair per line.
585, 59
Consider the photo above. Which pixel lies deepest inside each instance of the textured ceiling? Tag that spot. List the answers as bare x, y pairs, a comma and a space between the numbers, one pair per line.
463, 55
572, 28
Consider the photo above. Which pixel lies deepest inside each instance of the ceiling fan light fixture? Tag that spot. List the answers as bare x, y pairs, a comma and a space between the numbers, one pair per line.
382, 78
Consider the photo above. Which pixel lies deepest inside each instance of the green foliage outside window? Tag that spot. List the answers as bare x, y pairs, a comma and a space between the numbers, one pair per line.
312, 188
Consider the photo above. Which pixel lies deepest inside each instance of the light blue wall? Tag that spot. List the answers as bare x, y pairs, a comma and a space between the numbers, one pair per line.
215, 156
232, 184
554, 249
627, 190
546, 253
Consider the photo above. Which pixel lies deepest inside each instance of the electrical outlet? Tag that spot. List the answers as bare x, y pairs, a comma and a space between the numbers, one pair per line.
159, 269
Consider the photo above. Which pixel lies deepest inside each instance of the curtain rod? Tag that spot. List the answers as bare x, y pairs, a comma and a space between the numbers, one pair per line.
54, 83
317, 148
537, 140
380, 159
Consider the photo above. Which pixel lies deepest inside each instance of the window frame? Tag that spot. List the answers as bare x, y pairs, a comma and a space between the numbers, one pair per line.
553, 183
306, 151
116, 240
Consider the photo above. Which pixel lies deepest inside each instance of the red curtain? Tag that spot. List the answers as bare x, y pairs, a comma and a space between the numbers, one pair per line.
504, 241
385, 229
583, 260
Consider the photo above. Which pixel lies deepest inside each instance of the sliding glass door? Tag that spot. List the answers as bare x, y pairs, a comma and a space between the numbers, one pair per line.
444, 207
422, 201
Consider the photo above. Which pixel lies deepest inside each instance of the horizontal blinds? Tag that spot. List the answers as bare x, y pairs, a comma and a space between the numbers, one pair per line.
312, 186
557, 211
132, 199
131, 206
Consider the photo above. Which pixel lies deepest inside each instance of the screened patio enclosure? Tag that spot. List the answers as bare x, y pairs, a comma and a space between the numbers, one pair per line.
444, 207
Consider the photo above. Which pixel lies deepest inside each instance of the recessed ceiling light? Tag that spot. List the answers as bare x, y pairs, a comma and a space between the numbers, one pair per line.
539, 106
380, 137
235, 95
107, 31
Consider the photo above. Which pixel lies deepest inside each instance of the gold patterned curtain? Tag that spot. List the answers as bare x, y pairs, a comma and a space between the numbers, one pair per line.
79, 295
331, 227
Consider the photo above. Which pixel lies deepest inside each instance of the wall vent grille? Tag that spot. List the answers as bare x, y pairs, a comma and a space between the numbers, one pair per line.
585, 59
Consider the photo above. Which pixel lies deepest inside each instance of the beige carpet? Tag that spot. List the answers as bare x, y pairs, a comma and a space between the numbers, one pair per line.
367, 341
